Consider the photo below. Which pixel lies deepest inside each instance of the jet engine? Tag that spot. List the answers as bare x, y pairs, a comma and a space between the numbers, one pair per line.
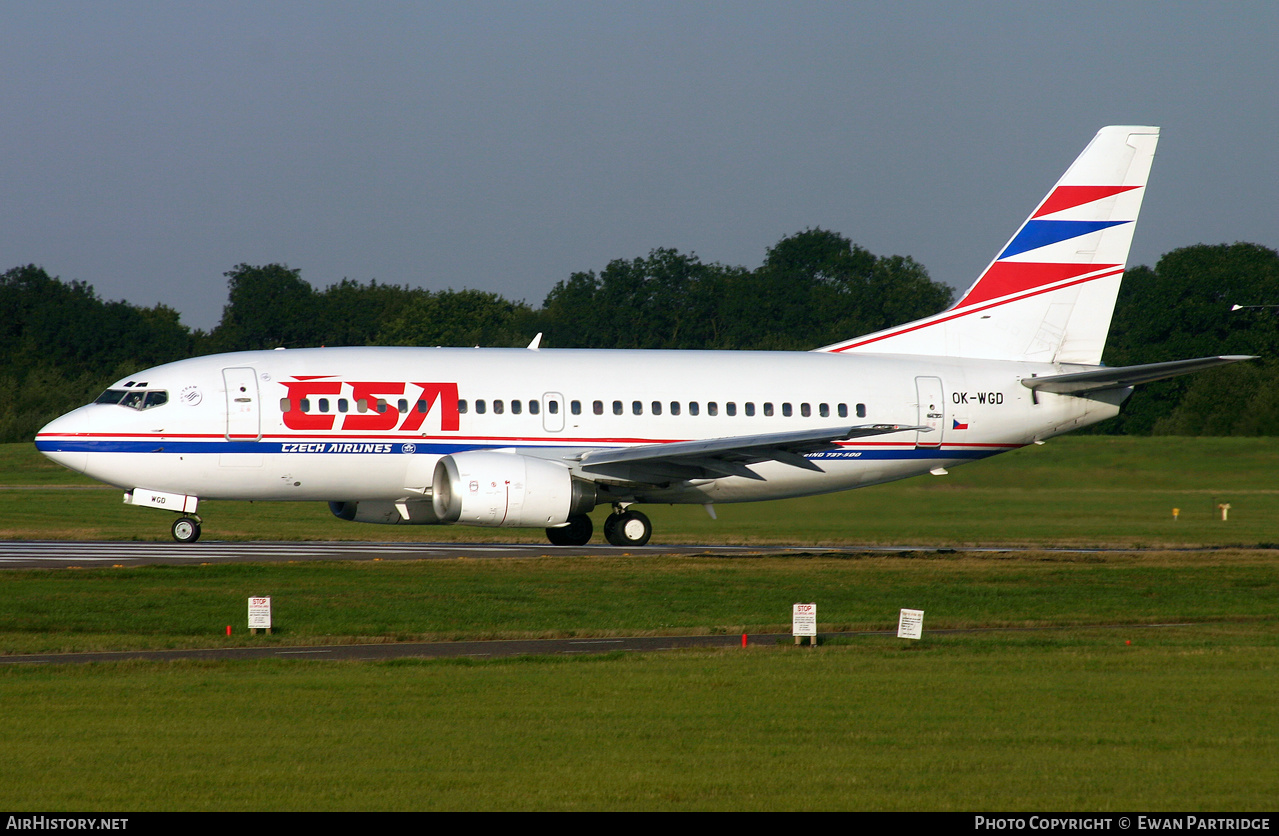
507, 489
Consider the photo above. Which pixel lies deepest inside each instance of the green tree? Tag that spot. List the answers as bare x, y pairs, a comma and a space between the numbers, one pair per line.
817, 287
351, 313
1182, 309
268, 306
62, 345
459, 318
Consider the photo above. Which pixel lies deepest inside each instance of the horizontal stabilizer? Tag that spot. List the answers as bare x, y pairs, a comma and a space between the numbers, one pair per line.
716, 457
1078, 383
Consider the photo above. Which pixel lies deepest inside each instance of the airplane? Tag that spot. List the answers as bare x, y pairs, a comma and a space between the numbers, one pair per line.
532, 437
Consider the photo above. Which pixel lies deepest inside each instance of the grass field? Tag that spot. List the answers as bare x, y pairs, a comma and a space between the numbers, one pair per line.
1182, 719
1071, 715
1073, 491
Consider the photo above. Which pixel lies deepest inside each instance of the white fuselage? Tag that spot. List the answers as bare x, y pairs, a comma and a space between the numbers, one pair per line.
360, 424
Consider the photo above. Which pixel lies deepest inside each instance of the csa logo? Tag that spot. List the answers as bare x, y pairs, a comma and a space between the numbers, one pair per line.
375, 404
408, 448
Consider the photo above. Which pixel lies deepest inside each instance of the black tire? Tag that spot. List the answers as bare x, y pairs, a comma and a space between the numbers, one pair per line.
186, 529
577, 533
628, 529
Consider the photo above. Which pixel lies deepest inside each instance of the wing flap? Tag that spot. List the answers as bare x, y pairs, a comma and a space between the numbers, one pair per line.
715, 458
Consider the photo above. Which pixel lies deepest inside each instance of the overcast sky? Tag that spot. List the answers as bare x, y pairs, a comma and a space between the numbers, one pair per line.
147, 148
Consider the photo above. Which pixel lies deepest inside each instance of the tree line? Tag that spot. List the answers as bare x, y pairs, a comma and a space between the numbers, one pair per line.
62, 344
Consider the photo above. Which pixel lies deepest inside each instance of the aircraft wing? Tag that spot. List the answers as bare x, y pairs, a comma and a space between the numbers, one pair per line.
1079, 383
716, 457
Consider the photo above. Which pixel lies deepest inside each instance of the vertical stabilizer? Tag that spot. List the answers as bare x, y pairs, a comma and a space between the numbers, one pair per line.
1049, 294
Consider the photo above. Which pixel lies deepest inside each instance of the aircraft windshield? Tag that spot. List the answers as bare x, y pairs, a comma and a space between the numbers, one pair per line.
134, 398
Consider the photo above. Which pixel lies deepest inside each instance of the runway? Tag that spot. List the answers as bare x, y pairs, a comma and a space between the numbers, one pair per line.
50, 554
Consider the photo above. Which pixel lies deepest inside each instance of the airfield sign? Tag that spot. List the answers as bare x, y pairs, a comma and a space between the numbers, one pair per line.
910, 624
260, 614
804, 622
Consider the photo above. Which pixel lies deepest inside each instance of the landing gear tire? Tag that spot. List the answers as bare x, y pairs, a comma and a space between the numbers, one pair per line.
577, 533
186, 529
630, 528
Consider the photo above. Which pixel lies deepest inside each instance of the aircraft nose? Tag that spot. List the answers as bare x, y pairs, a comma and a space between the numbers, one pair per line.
63, 443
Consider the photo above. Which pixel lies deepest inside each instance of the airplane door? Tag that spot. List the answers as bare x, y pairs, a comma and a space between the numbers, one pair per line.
932, 411
552, 412
243, 416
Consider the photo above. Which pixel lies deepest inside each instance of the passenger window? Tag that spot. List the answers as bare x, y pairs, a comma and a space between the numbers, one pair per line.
402, 404
381, 405
598, 407
324, 404
534, 407
692, 408
617, 407
461, 407
750, 409
285, 404
576, 407
786, 410
517, 407
843, 410
861, 410
480, 406
305, 405
805, 411
498, 407
637, 407
730, 408
712, 408
342, 405
657, 407
675, 407
824, 410
768, 410
362, 405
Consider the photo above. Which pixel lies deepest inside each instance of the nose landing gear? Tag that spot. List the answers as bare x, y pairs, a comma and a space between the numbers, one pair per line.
186, 529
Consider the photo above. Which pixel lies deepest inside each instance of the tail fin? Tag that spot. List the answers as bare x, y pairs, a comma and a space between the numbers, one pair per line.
1049, 294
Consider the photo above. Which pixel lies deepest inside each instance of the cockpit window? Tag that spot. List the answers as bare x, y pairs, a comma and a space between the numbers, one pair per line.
134, 398
111, 396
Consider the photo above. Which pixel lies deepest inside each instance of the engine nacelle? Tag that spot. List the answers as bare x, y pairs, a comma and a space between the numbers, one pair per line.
507, 489
420, 512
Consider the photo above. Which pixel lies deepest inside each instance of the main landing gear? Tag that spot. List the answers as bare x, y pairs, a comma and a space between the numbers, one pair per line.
577, 533
627, 528
622, 528
186, 529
